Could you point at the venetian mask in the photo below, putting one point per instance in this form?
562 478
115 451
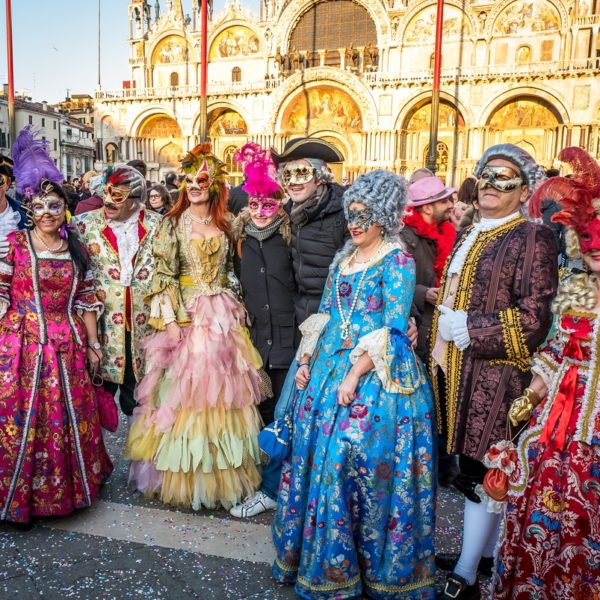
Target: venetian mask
263 207
47 205
114 194
503 179
361 219
589 236
297 173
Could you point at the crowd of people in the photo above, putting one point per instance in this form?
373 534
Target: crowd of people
331 353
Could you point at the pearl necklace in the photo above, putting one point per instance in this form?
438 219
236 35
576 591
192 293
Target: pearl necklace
347 318
51 250
201 221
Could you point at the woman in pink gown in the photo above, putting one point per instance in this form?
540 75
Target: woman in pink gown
52 458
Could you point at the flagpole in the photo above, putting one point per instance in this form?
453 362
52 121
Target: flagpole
435 97
204 68
11 76
99 76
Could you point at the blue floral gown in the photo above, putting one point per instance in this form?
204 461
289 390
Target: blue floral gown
356 504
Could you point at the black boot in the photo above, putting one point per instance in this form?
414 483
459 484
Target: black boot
458 588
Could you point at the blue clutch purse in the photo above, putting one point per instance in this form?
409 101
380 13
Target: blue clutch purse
275 440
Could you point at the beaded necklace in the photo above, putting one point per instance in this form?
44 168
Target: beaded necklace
347 318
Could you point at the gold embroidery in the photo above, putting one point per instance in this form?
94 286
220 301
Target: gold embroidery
454 356
329 586
513 336
409 587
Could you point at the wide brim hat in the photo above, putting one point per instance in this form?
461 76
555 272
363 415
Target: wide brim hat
428 190
307 147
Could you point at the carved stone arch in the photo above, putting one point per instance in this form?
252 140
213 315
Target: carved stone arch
226 106
552 100
241 22
324 76
499 7
420 6
143 116
291 14
424 98
343 142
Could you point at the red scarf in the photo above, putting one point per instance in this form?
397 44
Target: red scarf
443 235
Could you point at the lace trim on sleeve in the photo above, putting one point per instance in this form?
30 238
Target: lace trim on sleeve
161 309
375 345
311 330
4 304
545 367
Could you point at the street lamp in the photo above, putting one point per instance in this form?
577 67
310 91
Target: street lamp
435 97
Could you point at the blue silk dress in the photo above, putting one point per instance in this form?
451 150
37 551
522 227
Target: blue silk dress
356 504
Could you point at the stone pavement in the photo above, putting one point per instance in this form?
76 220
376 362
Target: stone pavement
130 547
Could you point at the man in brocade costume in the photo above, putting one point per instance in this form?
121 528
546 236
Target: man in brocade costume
495 309
119 241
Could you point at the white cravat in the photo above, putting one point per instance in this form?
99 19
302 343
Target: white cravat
9 220
484 225
128 241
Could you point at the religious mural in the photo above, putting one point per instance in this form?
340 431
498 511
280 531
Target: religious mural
321 108
235 41
422 26
171 50
447 118
228 123
523 114
527 15
160 127
171 154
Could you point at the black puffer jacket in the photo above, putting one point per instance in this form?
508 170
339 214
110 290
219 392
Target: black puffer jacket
268 289
314 245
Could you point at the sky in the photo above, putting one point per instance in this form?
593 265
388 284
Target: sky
55 45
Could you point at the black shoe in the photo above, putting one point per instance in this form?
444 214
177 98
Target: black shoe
457 588
447 562
28 526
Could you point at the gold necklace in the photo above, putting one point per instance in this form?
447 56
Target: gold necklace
52 250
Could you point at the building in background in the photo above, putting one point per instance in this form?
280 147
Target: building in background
358 73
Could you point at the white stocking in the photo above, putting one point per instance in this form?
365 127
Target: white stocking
480 527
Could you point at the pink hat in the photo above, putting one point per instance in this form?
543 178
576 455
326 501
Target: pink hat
428 190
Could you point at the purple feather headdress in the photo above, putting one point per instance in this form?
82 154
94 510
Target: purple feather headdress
260 172
33 167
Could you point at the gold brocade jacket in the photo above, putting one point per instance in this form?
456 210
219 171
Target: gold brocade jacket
106 267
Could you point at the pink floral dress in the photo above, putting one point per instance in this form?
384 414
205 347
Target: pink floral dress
52 458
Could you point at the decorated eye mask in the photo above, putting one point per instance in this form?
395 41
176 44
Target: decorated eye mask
263 207
297 174
52 206
200 181
363 219
115 195
589 236
503 179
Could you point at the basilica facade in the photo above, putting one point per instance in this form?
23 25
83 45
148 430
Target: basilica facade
358 73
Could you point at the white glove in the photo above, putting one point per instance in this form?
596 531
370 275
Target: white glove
445 323
452 326
3 246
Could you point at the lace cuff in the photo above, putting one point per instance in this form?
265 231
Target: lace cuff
544 367
4 304
161 309
311 330
375 345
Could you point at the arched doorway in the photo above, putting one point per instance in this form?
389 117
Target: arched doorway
415 139
155 134
232 166
527 120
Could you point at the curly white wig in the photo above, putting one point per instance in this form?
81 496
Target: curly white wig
384 193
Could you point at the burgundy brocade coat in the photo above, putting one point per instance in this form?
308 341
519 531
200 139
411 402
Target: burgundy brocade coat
513 282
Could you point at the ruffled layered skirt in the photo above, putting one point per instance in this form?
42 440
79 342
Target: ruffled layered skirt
194 437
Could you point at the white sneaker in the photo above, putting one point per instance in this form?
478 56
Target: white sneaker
253 506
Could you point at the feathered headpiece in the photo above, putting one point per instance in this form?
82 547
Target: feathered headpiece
576 193
34 170
259 172
200 161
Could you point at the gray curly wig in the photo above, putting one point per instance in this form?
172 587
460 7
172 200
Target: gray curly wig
532 173
384 193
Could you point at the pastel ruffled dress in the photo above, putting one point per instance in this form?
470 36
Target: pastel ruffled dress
355 510
52 457
194 436
551 542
